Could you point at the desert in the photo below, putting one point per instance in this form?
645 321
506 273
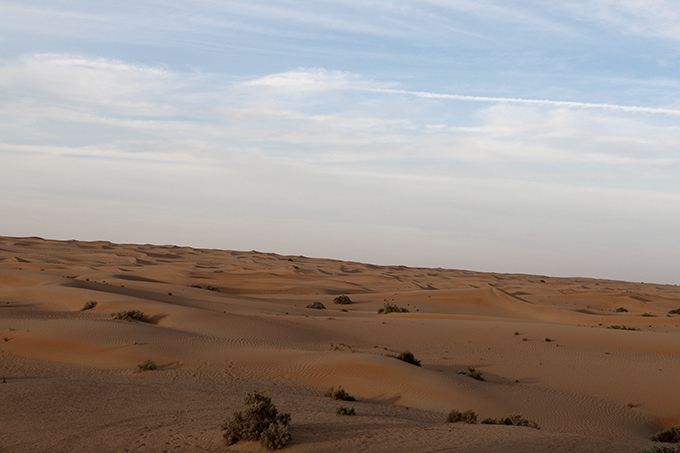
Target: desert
594 363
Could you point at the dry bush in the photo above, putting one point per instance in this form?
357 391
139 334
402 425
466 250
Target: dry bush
317 306
342 300
339 394
259 421
461 417
670 435
342 410
473 373
407 356
89 305
513 420
148 365
389 307
128 315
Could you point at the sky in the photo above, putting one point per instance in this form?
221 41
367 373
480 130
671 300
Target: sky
518 136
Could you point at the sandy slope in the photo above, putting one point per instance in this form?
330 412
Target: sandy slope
71 383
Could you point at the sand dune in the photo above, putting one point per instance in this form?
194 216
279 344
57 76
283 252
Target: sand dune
220 323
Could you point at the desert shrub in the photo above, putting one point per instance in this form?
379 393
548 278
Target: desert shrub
89 305
212 288
548 339
621 327
339 394
674 312
194 285
621 310
473 373
389 307
407 356
148 365
342 410
317 306
342 300
259 421
128 315
461 417
648 315
670 435
513 420
662 449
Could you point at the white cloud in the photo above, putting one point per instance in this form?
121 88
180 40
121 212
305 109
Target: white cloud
657 18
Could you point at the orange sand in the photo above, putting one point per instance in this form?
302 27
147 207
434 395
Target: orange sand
71 380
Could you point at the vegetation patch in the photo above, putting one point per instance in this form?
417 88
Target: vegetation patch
342 410
128 315
621 327
461 417
473 373
621 310
674 312
662 449
513 420
212 288
389 307
670 435
339 394
407 356
89 305
194 285
317 306
342 300
259 421
147 365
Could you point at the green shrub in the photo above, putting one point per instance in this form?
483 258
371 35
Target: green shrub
89 305
342 300
407 356
461 417
128 315
317 306
260 421
670 435
342 410
339 394
148 365
389 307
513 420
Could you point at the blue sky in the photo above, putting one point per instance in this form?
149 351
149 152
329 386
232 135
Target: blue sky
508 136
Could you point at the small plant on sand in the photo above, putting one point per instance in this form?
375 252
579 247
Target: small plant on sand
317 306
342 410
342 300
147 365
128 315
212 288
259 421
461 417
194 285
621 310
407 356
648 315
389 307
473 373
670 435
621 327
548 339
339 394
89 305
513 420
674 312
